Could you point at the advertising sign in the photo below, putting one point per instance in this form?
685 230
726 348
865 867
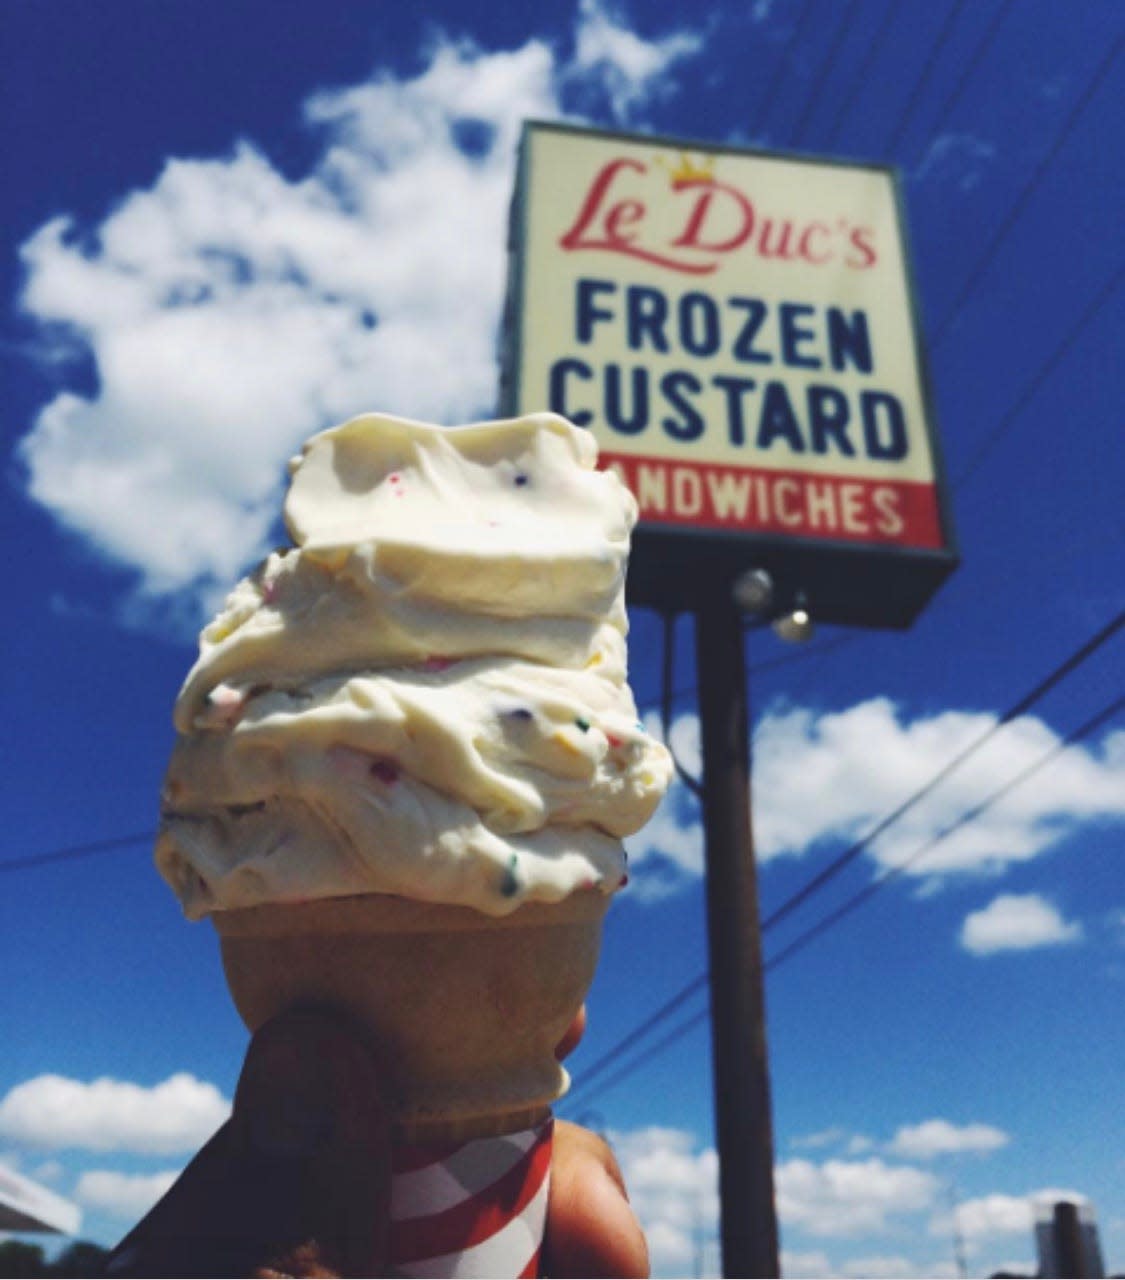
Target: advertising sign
737 329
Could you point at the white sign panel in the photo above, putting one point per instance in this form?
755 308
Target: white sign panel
736 328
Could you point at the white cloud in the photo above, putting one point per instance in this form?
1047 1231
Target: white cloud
849 1198
810 1265
957 160
939 1137
48 1171
852 1144
673 1188
668 851
54 1112
998 1215
831 776
835 774
822 1138
859 1144
895 1266
229 310
631 67
987 1217
1016 922
121 1195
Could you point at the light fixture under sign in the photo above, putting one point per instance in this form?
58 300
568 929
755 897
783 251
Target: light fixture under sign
795 627
753 593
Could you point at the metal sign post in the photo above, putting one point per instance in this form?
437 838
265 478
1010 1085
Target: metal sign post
738 1026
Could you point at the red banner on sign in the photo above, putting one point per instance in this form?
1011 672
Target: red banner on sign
793 503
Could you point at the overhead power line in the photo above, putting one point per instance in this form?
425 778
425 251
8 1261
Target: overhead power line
980 268
780 68
588 1084
820 79
862 74
693 784
971 815
1017 709
638 1033
1043 371
923 78
969 70
586 1087
1022 705
76 851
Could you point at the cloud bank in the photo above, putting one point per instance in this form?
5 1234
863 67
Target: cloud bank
1017 922
54 1112
924 1141
836 1214
227 311
940 1138
823 779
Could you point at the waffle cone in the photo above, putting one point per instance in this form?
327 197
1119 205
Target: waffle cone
464 1010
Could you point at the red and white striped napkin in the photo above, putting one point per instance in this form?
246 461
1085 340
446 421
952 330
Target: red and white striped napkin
471 1208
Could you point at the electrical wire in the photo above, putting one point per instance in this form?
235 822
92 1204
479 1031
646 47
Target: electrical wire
812 101
638 1033
951 16
971 815
680 1030
862 75
780 68
969 70
1004 424
693 784
801 654
76 851
1060 672
1017 709
587 1082
980 268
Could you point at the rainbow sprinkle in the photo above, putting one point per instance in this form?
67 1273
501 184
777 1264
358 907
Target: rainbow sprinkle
510 884
437 663
385 771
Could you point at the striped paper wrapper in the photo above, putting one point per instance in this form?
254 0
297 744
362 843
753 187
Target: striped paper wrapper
474 1208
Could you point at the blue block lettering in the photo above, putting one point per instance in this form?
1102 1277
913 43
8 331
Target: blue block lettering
556 390
675 387
646 313
884 425
586 310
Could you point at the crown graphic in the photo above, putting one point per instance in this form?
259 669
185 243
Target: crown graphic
687 170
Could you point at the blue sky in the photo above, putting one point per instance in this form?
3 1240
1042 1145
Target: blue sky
204 205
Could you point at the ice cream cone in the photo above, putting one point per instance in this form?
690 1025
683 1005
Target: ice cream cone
465 1010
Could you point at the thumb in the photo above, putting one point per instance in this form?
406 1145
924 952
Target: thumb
296 1183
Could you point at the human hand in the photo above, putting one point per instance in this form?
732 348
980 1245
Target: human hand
297 1182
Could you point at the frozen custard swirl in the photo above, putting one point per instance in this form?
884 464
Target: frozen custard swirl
427 696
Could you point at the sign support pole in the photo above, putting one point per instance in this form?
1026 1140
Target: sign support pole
738 1025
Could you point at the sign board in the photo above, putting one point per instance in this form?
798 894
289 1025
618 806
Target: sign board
737 329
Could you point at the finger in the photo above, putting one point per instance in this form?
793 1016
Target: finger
296 1182
309 1097
591 1228
574 1033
